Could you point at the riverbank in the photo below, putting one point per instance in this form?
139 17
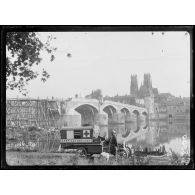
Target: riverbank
70 159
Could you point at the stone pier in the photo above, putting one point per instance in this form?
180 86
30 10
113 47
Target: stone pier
101 118
117 118
141 118
69 119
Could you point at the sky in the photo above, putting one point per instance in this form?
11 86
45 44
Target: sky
106 61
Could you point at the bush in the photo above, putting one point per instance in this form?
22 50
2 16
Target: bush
32 139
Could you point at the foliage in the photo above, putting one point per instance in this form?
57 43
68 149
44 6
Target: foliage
177 159
22 53
76 95
32 139
97 94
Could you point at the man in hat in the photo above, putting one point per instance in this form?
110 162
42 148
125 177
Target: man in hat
113 143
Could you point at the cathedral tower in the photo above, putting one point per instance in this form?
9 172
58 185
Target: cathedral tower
134 86
147 85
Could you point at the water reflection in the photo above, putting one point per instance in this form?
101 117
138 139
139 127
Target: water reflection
153 134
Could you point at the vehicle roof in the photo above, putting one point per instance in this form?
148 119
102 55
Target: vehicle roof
77 128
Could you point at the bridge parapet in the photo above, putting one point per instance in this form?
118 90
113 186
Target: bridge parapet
120 106
77 102
84 100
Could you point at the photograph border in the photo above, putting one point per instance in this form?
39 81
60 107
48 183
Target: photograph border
90 28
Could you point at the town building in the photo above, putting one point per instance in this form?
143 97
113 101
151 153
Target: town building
159 105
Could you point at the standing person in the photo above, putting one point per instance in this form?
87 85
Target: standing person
163 149
113 143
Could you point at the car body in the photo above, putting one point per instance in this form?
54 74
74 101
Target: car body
81 139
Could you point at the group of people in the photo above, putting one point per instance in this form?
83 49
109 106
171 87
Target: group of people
111 144
149 150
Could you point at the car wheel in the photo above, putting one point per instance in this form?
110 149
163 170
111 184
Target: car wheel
122 154
128 151
81 152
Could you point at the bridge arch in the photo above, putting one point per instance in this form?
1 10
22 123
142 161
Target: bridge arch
110 110
87 112
136 112
144 113
125 111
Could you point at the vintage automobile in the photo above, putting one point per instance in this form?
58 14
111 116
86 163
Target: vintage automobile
82 140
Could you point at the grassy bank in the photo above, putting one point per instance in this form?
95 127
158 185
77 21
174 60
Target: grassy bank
70 159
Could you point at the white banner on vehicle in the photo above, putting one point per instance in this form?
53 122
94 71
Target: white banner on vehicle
70 134
75 140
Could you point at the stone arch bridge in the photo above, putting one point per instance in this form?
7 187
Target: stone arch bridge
91 111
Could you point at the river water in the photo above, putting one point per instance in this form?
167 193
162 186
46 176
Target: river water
174 136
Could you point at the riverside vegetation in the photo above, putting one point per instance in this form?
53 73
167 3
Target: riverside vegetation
40 147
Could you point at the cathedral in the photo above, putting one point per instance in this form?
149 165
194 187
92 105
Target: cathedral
143 95
145 89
